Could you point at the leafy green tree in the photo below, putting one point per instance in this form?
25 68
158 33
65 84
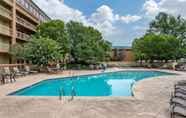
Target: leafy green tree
170 25
165 39
17 51
157 47
55 30
39 51
87 44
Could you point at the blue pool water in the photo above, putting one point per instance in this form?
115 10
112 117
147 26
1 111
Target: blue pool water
106 84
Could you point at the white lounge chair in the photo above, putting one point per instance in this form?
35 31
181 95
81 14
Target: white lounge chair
178 111
29 71
17 72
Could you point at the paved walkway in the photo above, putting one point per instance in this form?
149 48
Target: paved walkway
150 101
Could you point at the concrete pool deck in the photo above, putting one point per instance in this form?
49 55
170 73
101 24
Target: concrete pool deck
151 99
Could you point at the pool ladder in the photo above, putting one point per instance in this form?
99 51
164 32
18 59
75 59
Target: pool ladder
62 93
73 93
131 87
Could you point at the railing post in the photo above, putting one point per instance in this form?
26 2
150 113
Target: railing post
61 93
73 93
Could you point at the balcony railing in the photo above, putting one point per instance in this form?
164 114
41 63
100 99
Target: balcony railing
5 12
4 47
32 9
5 30
23 36
10 2
25 23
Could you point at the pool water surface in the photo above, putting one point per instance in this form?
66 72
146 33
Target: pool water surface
105 84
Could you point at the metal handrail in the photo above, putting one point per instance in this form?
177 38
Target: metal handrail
61 93
73 93
131 86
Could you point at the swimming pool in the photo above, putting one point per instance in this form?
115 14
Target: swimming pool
105 84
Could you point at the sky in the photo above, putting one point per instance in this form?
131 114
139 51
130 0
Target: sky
120 21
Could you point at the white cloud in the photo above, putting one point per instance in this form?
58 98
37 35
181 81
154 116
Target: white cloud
151 7
175 7
57 10
106 20
103 13
129 18
102 19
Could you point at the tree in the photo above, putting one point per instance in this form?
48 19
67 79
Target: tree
17 51
54 40
164 40
170 25
157 47
55 30
87 44
40 51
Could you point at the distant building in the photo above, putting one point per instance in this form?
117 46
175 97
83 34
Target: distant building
18 20
122 53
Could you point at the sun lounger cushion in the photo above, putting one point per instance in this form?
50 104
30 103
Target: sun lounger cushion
180 91
180 95
179 101
179 110
181 88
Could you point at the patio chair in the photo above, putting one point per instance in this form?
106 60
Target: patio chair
17 72
58 67
177 111
53 70
177 86
178 101
180 67
181 83
29 71
7 74
180 95
182 87
50 70
1 77
2 80
180 91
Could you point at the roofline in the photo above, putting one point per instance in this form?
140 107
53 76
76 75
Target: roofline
121 47
40 9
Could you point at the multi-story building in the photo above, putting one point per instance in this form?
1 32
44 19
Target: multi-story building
18 20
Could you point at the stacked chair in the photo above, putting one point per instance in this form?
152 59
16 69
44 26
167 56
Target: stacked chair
9 74
55 69
178 100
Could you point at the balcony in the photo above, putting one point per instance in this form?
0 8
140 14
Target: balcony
26 24
33 10
4 47
5 12
23 36
5 30
9 2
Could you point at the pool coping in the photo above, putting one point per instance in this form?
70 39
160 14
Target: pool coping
177 73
